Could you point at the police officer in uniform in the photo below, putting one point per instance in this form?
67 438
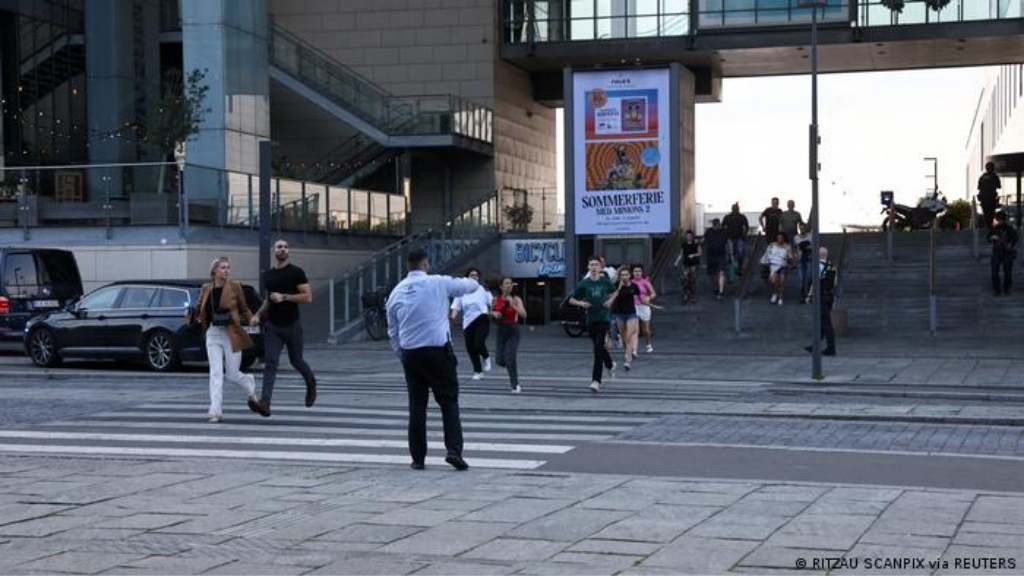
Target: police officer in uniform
419 332
827 272
1004 249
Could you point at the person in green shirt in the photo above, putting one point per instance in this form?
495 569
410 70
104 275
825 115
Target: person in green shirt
595 294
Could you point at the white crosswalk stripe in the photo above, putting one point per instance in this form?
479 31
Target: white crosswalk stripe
326 433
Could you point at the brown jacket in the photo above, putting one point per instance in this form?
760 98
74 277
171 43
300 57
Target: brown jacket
233 300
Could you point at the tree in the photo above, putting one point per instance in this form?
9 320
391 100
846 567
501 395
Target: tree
519 217
894 5
175 114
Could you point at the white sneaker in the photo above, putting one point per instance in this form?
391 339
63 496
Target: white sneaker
487 364
478 375
780 301
516 389
614 366
595 386
774 298
650 349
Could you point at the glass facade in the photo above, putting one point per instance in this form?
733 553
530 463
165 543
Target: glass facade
527 21
42 85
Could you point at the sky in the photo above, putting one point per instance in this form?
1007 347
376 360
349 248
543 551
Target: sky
876 129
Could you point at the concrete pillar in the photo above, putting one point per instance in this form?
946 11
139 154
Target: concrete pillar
227 39
110 78
687 149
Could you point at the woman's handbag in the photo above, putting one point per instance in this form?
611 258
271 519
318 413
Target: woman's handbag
221 318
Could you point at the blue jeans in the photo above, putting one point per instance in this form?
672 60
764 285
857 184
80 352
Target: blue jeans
805 278
739 251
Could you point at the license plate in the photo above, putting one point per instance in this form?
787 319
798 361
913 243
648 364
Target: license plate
252 329
45 304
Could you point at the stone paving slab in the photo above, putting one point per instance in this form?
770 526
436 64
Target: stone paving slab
679 526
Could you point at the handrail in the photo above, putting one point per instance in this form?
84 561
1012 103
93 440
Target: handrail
741 288
664 254
844 245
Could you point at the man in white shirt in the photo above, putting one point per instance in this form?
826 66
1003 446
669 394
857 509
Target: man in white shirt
419 333
476 312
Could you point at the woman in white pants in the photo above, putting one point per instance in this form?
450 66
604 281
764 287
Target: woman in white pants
222 309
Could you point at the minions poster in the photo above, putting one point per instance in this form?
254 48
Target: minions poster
621 152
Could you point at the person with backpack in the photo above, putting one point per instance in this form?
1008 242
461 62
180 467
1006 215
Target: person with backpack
507 312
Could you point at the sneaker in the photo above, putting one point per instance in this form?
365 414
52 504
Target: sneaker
774 299
478 375
780 302
627 366
516 389
614 366
487 364
650 349
595 386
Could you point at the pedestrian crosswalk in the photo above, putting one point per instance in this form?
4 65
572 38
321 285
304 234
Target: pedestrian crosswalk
329 433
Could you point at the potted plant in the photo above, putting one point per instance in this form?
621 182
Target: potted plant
519 217
894 5
936 4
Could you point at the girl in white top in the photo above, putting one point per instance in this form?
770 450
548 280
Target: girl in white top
475 309
778 256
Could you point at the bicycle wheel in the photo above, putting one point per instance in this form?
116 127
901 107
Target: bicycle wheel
376 323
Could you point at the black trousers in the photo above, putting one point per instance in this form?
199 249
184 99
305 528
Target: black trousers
598 333
508 348
989 211
476 341
828 332
274 338
432 369
1004 263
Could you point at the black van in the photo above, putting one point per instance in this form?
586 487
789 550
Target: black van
34 281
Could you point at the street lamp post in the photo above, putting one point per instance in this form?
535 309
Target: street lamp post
814 5
179 159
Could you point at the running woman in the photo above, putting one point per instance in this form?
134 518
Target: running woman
508 309
643 305
623 306
475 309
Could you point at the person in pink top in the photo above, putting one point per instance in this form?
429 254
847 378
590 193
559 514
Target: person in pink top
643 304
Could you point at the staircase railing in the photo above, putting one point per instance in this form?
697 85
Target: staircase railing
747 267
344 159
392 115
446 244
664 254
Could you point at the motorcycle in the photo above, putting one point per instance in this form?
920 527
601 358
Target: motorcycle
923 217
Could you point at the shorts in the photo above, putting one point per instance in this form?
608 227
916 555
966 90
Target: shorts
643 312
623 317
716 265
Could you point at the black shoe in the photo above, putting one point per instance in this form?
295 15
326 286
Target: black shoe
259 407
457 462
310 393
810 349
417 465
828 352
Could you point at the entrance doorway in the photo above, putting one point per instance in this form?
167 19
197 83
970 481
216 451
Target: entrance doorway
619 250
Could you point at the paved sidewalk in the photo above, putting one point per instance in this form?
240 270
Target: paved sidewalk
89 516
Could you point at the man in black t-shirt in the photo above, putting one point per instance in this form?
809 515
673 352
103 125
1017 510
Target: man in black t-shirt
737 225
771 221
287 287
715 242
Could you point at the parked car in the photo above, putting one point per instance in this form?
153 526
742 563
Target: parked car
145 320
34 281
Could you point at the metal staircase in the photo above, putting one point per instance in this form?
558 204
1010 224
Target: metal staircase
449 245
382 119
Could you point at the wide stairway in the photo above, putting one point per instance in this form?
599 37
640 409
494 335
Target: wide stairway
879 297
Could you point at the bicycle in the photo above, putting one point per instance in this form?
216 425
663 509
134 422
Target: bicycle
375 317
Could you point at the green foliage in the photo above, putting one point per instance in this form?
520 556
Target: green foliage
176 113
894 5
519 217
957 211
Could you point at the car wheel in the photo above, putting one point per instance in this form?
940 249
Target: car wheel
161 352
42 348
248 359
